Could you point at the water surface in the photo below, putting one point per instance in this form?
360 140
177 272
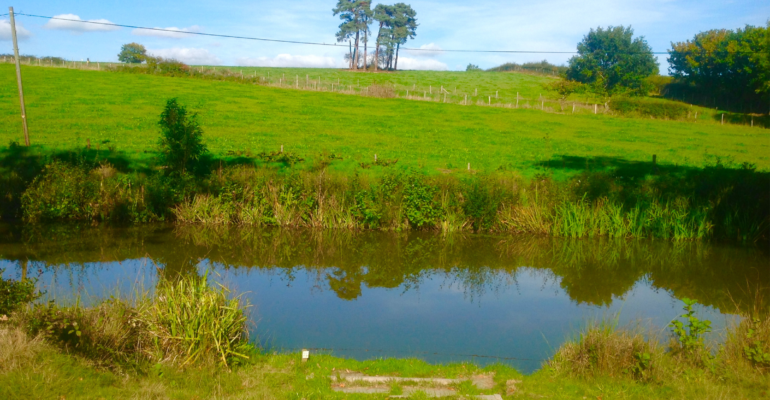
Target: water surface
481 298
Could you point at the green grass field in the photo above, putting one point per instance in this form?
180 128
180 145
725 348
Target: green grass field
66 107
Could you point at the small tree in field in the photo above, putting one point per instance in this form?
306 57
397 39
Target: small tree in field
182 138
612 61
132 53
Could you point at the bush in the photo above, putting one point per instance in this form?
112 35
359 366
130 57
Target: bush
182 138
472 67
15 294
648 108
167 66
565 87
61 192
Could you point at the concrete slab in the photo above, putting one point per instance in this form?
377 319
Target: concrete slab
364 390
483 382
358 377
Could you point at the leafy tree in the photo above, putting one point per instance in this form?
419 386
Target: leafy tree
405 26
385 15
729 65
356 15
612 61
398 23
182 137
472 67
132 53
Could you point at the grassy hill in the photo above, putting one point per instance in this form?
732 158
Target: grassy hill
120 111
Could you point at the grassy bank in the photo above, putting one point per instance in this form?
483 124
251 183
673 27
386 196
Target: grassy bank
168 344
634 201
117 112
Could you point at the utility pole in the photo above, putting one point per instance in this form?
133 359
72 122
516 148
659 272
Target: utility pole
18 77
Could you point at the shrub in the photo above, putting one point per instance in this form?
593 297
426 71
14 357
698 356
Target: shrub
565 87
15 294
61 192
182 138
472 67
166 66
420 206
648 108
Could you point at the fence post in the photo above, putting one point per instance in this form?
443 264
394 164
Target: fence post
594 108
517 99
723 118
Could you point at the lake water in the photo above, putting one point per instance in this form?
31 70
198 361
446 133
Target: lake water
480 298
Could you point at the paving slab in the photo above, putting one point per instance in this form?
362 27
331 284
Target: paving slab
353 377
364 390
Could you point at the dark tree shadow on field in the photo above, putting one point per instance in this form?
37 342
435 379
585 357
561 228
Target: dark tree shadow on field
758 121
736 197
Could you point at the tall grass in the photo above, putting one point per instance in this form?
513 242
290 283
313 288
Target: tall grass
186 322
189 321
403 200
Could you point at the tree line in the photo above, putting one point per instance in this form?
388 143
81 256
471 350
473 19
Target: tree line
395 25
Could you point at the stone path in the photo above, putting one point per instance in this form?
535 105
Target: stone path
350 382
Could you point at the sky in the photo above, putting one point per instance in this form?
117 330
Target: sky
546 25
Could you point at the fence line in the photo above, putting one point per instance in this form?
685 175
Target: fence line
558 106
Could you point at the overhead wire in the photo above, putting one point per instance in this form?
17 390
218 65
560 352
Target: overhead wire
176 31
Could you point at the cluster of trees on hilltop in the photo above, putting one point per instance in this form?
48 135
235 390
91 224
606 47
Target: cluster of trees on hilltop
395 25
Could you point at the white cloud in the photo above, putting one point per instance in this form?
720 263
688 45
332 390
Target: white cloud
288 60
177 34
432 50
69 22
5 31
187 55
411 63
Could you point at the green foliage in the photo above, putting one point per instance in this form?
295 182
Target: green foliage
472 67
542 67
481 203
132 53
61 192
420 205
167 67
612 61
565 87
635 106
181 144
16 294
690 336
189 321
726 66
754 351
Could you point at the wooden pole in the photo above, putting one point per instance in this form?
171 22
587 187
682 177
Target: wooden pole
18 76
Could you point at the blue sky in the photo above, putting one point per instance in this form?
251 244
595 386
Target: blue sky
546 25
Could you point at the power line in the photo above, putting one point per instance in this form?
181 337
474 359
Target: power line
320 44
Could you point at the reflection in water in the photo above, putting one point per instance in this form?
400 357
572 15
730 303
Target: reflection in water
407 292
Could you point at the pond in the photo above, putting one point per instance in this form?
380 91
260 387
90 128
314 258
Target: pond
442 298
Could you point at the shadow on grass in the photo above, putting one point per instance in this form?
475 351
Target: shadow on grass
737 197
757 121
